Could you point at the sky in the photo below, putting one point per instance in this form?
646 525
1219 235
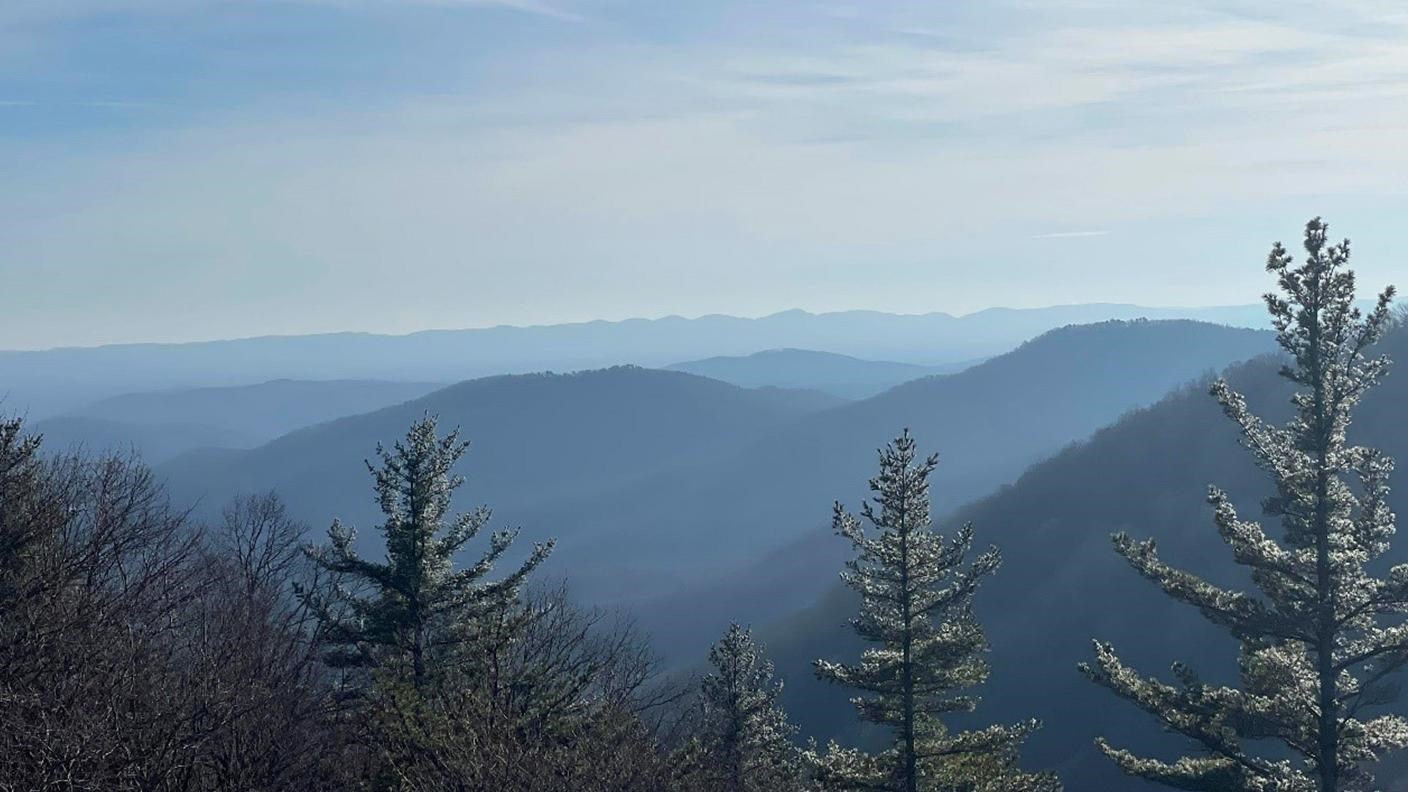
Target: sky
192 169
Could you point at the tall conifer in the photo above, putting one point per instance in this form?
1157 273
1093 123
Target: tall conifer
916 588
415 611
1323 635
744 742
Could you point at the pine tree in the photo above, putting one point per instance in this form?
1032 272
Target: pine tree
416 612
744 743
22 507
916 607
1319 643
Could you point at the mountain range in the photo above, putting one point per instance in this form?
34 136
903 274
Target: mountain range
988 423
656 481
49 382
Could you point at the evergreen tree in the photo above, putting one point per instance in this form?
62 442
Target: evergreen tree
745 741
1319 643
415 612
916 607
22 507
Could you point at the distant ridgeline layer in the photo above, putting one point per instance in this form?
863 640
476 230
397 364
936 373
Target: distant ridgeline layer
42 384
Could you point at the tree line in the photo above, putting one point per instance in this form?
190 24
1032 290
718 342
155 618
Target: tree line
140 650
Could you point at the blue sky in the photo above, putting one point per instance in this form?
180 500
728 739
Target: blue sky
187 169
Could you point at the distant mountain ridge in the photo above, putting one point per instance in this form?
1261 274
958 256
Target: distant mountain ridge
163 424
265 410
533 437
44 383
840 375
154 442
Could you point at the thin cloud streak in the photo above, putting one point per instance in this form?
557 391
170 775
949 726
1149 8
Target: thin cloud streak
119 104
1071 234
525 6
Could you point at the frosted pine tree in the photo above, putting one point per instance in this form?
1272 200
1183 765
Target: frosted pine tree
1323 636
744 743
415 612
916 594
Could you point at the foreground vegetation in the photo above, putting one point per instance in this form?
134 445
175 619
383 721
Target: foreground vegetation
141 651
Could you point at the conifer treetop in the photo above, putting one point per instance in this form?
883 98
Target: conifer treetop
417 602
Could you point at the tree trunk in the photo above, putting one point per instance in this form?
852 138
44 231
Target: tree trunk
1327 726
911 768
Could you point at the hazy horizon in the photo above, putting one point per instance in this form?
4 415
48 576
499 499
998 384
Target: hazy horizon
644 318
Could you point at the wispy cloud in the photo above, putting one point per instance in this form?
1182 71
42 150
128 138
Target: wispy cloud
536 7
107 104
1070 234
119 104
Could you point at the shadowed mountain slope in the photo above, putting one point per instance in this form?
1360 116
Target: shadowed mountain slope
992 421
534 438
